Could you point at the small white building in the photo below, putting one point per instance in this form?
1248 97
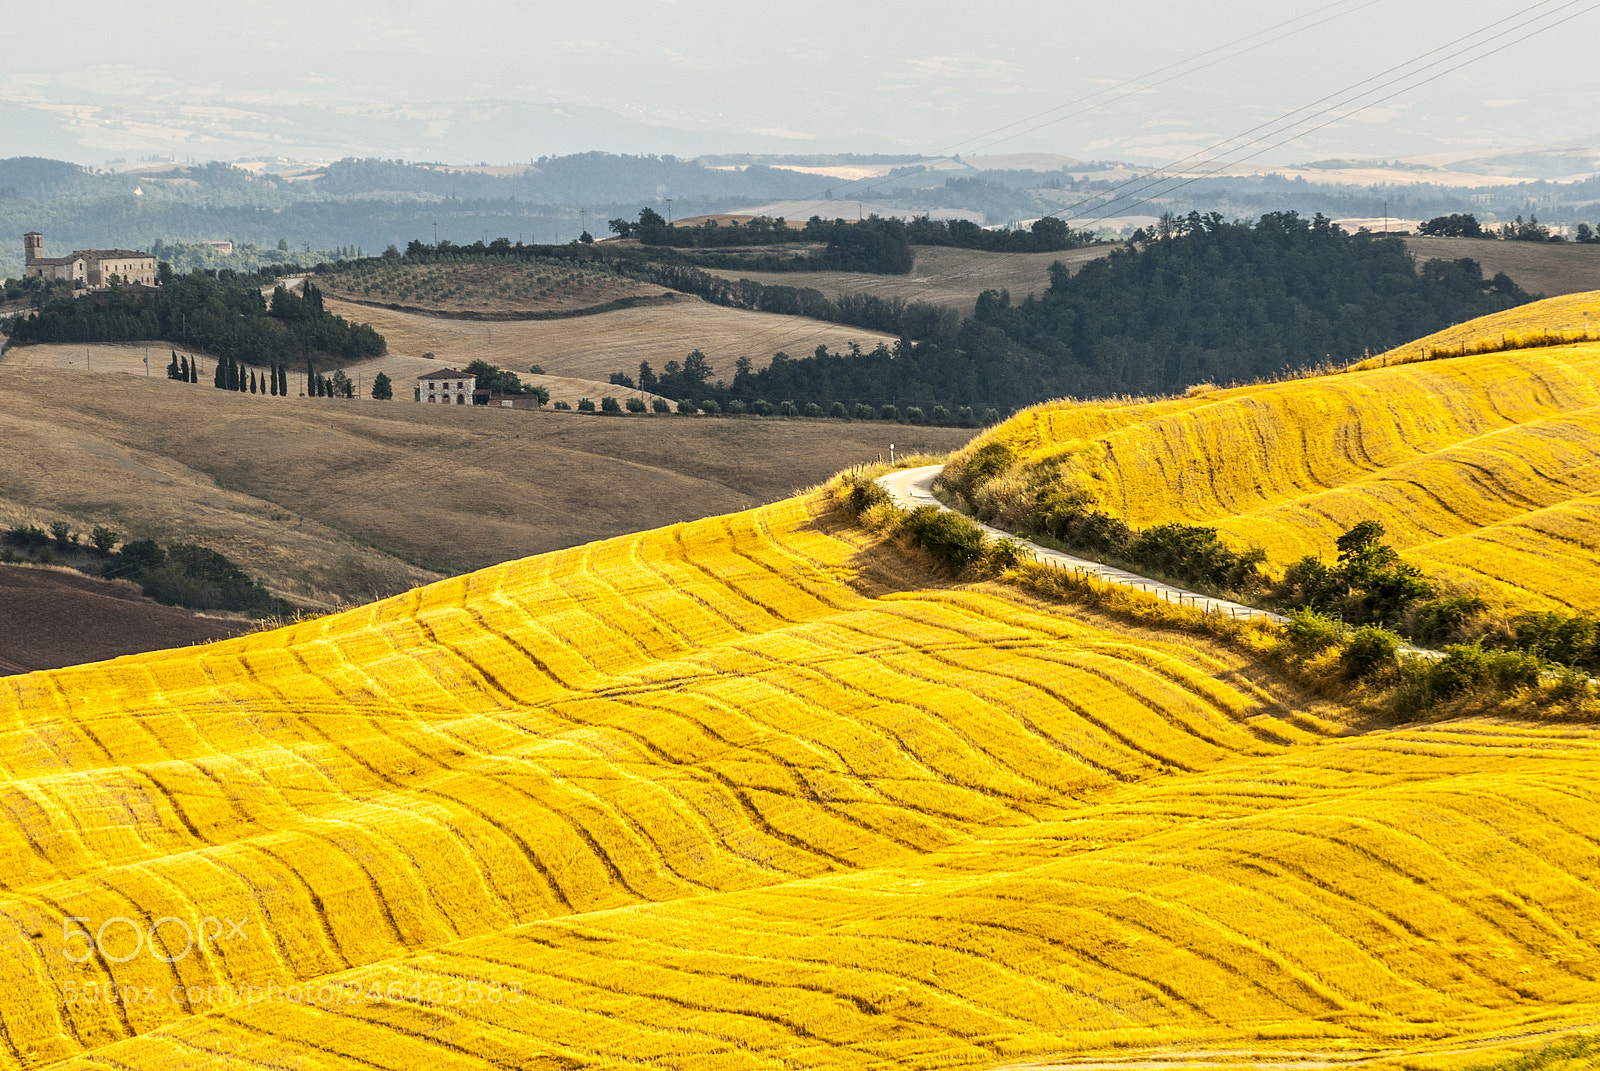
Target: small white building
446 387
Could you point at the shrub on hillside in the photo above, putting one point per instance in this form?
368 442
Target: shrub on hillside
950 537
609 404
1369 651
660 405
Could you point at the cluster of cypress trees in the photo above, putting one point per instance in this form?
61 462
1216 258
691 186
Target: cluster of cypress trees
233 375
321 386
182 369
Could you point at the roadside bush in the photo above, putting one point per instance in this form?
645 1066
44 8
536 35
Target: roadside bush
1369 651
103 539
1570 640
609 404
859 492
710 407
585 405
563 405
1004 553
1444 619
914 416
787 409
660 405
62 533
636 405
735 408
889 412
837 411
940 415
761 407
964 416
814 410
1309 633
952 538
863 412
990 417
1469 668
686 407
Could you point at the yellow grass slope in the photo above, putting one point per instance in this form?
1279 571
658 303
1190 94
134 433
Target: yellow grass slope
705 709
747 792
1484 468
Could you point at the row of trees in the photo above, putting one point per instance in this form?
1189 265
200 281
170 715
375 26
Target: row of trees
874 245
1046 235
231 375
177 574
937 415
226 317
1466 225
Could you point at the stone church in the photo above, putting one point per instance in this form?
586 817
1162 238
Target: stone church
94 268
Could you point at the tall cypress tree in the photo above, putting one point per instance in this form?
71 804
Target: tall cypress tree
252 381
220 377
183 368
172 366
283 381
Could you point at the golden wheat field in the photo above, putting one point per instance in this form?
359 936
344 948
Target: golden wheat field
1484 469
757 792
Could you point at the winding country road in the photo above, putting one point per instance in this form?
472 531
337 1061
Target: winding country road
910 488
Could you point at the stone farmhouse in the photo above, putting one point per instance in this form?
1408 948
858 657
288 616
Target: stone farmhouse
446 386
450 387
92 268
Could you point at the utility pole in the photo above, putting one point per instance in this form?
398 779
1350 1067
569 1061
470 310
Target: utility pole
436 234
669 211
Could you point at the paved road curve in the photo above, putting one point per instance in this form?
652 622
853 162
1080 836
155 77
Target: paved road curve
911 488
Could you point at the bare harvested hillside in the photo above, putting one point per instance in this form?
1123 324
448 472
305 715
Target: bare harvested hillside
592 347
334 501
1538 267
941 275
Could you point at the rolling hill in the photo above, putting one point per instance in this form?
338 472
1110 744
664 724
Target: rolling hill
757 791
1484 469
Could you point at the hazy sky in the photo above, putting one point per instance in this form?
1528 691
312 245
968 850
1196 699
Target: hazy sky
468 81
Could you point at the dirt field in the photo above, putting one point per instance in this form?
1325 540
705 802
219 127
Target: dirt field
1538 267
51 618
942 275
592 347
482 286
335 501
